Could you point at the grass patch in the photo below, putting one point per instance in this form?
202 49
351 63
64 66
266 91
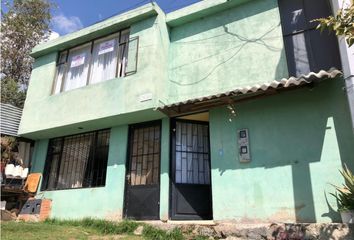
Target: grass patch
34 231
88 228
101 226
151 233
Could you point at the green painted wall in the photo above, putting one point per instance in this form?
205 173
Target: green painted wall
296 151
238 47
108 201
298 141
105 100
298 138
100 202
165 169
202 57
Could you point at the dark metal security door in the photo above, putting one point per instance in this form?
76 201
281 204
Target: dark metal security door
191 187
142 193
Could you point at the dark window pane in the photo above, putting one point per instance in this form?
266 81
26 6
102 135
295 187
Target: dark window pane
307 49
297 54
324 49
292 16
316 9
77 161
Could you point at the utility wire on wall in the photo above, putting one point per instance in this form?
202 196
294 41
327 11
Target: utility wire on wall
240 38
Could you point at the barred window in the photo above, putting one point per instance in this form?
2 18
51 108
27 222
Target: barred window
77 161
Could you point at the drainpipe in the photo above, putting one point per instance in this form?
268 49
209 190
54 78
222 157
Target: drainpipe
347 58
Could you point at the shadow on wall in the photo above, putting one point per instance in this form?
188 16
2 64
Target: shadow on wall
282 67
296 129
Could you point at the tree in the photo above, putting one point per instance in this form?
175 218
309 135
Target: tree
342 23
23 26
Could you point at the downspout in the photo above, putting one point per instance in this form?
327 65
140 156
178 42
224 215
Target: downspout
347 58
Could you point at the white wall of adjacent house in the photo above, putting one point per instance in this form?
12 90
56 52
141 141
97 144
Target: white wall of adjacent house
347 58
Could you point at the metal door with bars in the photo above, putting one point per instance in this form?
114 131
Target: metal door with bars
142 193
190 171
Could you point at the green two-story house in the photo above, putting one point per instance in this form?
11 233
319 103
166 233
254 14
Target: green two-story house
223 110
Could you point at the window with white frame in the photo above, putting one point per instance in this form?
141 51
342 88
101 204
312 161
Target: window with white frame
97 61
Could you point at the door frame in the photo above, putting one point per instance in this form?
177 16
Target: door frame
172 165
127 164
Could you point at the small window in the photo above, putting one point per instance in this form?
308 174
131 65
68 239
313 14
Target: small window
77 161
97 61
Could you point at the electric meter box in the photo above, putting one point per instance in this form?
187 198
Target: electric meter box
243 145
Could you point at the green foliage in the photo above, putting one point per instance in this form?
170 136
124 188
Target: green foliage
123 227
345 194
10 93
7 149
24 25
101 226
152 233
89 228
12 230
342 23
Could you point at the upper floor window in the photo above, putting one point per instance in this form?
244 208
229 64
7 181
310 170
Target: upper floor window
99 60
77 161
307 49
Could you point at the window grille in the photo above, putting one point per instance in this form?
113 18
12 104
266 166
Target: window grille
77 161
144 155
192 153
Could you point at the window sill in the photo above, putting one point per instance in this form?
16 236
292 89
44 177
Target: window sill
87 86
65 189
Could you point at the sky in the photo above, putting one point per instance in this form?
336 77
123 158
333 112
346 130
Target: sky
72 15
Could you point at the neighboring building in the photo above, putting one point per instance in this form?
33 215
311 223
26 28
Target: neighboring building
10 117
192 115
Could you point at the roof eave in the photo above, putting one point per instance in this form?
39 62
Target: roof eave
246 93
199 10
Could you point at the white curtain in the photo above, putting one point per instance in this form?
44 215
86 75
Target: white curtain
60 77
78 64
74 161
104 55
